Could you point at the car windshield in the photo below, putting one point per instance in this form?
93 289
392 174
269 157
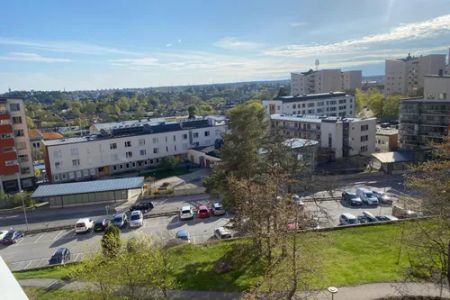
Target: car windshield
369 195
351 221
185 211
118 219
352 196
135 217
203 210
79 225
218 206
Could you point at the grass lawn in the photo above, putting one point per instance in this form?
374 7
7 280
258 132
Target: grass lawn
160 174
57 294
55 272
349 256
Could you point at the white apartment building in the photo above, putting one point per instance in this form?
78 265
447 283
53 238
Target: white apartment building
342 136
406 76
324 81
437 87
329 104
118 148
16 165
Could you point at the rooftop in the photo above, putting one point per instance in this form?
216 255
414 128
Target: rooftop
52 135
307 97
387 131
393 157
51 190
422 100
295 143
314 118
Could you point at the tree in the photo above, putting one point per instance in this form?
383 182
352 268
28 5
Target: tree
170 162
111 241
391 107
191 111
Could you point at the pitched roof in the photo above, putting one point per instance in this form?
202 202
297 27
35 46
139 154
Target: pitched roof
34 133
52 135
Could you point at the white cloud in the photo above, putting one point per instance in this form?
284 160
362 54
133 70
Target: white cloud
168 45
32 57
297 24
235 44
65 46
179 41
136 62
413 31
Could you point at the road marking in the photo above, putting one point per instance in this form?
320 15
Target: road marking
19 241
28 264
77 256
37 240
57 236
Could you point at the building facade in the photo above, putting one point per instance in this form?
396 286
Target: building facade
386 139
324 81
329 104
406 76
16 165
437 87
118 149
341 136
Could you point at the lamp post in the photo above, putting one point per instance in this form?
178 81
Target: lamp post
333 290
24 212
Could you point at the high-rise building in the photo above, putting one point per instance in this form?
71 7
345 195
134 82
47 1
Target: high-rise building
406 76
324 81
16 165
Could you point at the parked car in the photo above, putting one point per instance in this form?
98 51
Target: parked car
351 199
383 198
366 196
84 225
186 213
403 213
136 218
348 219
2 234
369 216
222 233
184 235
142 206
217 209
203 212
60 257
101 224
120 220
387 218
11 237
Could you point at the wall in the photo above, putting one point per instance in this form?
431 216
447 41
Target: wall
201 158
437 87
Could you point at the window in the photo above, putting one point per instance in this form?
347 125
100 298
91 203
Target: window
364 148
195 135
17 120
58 165
155 150
74 151
174 138
167 149
128 144
23 158
185 136
129 154
75 162
175 148
14 107
364 138
207 133
165 138
155 140
21 145
24 170
143 152
364 127
113 146
141 142
19 132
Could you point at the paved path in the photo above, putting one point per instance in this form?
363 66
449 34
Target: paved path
360 292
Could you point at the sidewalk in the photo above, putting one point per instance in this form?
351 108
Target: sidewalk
360 292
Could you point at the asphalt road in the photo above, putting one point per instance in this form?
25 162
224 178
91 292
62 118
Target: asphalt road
34 250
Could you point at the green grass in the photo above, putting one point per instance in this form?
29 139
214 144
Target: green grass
56 272
160 174
58 294
348 257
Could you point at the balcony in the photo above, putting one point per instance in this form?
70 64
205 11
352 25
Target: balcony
6 143
6 128
8 163
4 115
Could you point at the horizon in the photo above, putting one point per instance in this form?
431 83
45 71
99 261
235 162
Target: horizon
80 46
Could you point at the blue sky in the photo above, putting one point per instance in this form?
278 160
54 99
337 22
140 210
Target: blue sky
72 45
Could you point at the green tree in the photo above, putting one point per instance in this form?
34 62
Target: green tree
391 107
170 162
111 241
191 111
30 123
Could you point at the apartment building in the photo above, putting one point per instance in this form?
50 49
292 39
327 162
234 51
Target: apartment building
330 104
342 136
405 76
386 139
425 120
324 81
119 148
16 165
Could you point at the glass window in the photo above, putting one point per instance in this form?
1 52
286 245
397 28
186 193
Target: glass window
128 144
14 107
113 146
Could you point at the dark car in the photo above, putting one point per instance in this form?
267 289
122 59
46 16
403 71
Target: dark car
142 206
101 224
12 236
60 257
351 199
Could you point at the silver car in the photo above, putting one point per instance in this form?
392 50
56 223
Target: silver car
218 209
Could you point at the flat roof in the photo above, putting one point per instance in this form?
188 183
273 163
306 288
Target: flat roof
314 118
299 143
422 100
61 189
393 157
387 131
307 97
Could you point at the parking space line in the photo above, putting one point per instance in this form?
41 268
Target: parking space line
37 240
19 241
28 264
77 256
57 236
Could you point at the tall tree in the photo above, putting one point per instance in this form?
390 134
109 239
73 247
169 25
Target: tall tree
111 241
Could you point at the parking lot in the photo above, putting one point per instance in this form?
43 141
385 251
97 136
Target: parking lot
35 250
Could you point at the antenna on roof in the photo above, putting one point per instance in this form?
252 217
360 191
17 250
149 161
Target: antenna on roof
317 64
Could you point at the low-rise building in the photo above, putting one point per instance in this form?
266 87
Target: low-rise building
16 165
131 147
36 141
329 104
343 137
392 162
304 151
386 139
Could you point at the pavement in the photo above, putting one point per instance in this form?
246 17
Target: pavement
359 292
34 250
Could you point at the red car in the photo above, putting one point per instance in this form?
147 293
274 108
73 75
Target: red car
203 211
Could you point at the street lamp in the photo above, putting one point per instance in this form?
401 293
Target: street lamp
333 290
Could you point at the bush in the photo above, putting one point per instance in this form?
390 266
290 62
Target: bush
111 241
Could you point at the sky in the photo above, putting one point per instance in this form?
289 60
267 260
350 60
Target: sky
84 45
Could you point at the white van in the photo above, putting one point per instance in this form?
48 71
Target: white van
367 196
348 219
84 225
